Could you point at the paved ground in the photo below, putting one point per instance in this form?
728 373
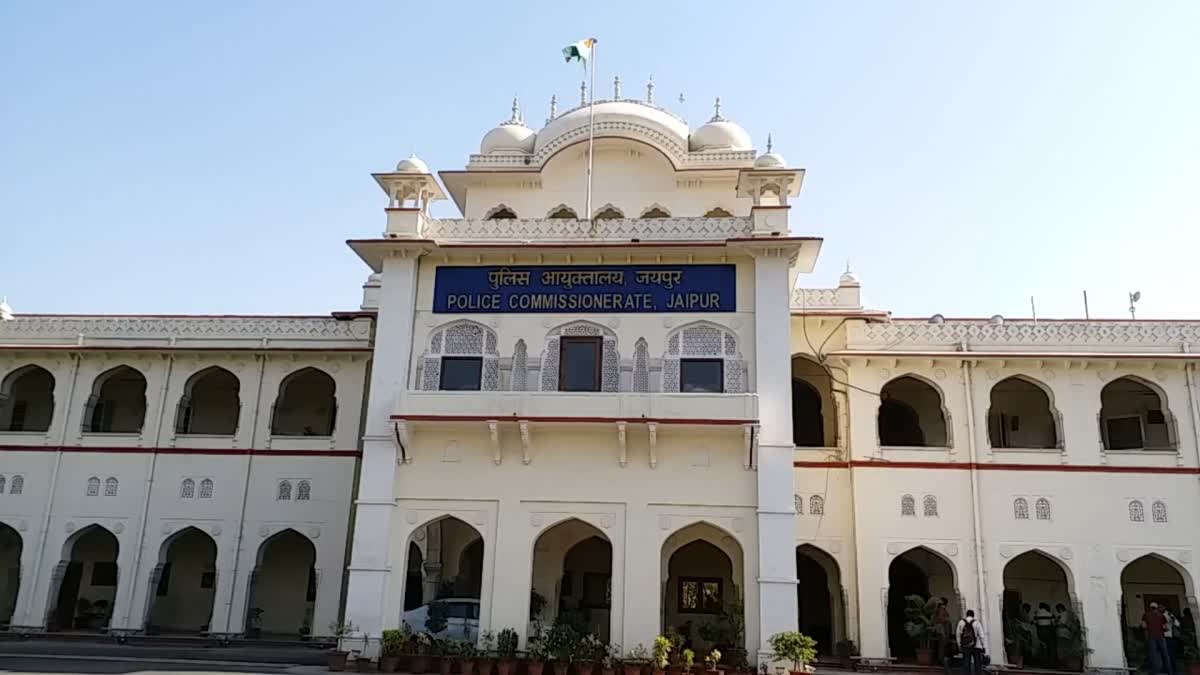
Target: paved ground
52 656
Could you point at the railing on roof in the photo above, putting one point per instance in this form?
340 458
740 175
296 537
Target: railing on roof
609 229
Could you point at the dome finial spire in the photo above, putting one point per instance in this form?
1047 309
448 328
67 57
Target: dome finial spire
616 87
717 111
583 93
770 145
553 107
650 90
516 112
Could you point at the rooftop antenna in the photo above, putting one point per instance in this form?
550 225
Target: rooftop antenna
650 91
1033 309
1133 300
1086 315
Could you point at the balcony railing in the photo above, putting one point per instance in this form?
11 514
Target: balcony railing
615 229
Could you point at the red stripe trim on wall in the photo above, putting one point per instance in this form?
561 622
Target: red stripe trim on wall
984 466
182 451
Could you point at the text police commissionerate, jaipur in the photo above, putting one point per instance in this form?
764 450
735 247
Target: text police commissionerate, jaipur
610 302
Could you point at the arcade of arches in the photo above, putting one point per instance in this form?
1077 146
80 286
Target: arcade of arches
820 598
27 400
572 578
184 583
87 581
814 413
445 560
306 405
702 567
285 564
921 572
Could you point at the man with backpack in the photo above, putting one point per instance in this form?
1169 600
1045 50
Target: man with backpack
970 636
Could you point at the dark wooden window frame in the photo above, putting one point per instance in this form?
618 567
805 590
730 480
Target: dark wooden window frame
701 581
442 376
720 370
562 360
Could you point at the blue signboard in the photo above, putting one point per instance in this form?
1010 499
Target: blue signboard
540 289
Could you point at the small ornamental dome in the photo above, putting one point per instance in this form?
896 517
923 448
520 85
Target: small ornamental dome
510 137
770 160
720 134
412 165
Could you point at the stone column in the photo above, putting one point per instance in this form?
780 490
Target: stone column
370 567
776 507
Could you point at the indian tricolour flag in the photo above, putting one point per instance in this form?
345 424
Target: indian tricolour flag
580 51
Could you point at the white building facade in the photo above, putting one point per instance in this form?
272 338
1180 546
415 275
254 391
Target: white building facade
590 420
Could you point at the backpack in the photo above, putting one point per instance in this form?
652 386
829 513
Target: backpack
966 638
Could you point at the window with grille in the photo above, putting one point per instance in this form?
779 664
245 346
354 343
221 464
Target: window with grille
461 373
285 491
206 488
908 506
303 491
1158 512
1042 506
93 487
704 376
1137 513
18 485
700 595
929 506
110 487
188 489
816 505
1021 508
579 363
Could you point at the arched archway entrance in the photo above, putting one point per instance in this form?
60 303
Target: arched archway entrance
702 597
182 585
572 578
1150 579
10 572
814 412
452 580
923 573
277 606
87 581
820 602
911 414
27 400
1033 582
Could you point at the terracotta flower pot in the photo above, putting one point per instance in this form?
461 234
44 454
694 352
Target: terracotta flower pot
337 660
389 664
631 668
560 668
445 665
418 664
504 667
535 667
584 668
466 666
924 656
483 666
364 664
606 671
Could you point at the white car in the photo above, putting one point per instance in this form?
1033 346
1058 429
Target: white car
462 618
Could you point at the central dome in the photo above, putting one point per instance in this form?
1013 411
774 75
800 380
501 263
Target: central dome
615 118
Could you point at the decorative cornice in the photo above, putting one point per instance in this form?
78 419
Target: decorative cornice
978 334
80 329
558 229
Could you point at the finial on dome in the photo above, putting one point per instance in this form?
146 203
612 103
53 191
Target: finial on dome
616 87
717 111
770 148
650 90
6 313
517 117
583 93
681 99
553 107
847 279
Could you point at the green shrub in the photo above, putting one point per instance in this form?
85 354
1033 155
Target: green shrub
796 648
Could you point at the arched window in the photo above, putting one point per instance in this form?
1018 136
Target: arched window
93 487
501 212
1137 513
285 491
1134 416
303 491
306 405
581 356
816 505
1021 415
655 212
187 490
908 506
210 403
1021 508
3 482
641 366
1042 507
206 488
608 212
718 212
563 212
1158 512
520 367
929 506
110 487
462 356
703 357
118 402
18 485
911 414
798 500
27 400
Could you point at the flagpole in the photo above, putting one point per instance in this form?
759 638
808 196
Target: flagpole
591 128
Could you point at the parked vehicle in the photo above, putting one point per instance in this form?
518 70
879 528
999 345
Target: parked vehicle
462 618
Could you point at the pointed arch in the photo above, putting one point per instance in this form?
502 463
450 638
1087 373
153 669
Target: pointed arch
1137 512
1135 415
461 355
573 569
454 562
181 586
1041 508
89 554
912 413
306 404
703 567
210 404
93 486
641 366
284 563
11 547
187 489
1021 508
718 212
283 491
117 404
655 211
303 491
18 485
820 597
27 399
816 505
908 505
111 485
206 488
562 212
923 572
563 336
929 506
500 212
608 212
520 367
814 408
697 348
1022 415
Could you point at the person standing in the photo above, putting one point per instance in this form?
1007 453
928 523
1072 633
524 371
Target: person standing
1156 642
1171 634
1043 620
970 637
941 619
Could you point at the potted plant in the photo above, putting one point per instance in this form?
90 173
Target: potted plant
844 650
535 653
711 661
448 649
920 625
562 643
337 655
687 659
590 651
1018 640
506 651
362 662
485 652
795 648
391 645
635 660
435 620
660 655
420 644
610 660
467 653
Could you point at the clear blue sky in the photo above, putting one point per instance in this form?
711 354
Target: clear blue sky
211 157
